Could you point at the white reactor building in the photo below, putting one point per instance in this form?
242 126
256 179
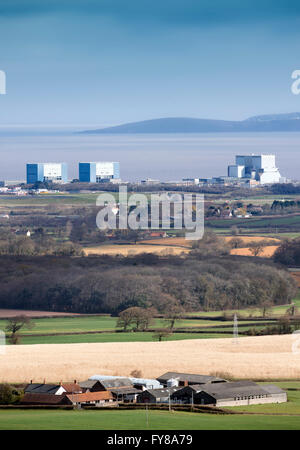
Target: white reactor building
261 168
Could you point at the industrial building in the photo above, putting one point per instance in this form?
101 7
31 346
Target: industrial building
261 168
98 172
47 172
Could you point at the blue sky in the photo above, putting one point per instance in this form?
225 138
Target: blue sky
112 61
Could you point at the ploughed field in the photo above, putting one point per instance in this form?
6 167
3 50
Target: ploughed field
259 357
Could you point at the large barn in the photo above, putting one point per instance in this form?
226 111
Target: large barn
229 394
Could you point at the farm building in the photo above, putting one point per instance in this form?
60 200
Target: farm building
116 383
90 386
72 388
45 399
139 383
156 395
53 389
102 398
125 394
42 388
279 395
121 388
182 379
229 394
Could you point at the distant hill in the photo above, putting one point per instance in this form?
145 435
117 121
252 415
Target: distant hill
273 122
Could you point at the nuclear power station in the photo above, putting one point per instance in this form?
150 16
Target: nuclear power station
261 168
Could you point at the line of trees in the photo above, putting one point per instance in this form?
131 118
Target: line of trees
111 285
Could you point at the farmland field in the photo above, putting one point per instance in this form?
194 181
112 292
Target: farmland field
262 357
267 252
263 222
46 199
106 325
134 249
116 337
4 313
172 245
137 420
102 328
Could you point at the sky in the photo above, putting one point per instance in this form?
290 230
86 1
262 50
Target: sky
105 62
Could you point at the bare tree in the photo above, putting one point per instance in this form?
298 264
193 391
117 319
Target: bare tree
236 242
173 316
266 307
15 324
256 248
160 334
292 310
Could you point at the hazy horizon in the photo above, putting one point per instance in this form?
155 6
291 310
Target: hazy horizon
161 156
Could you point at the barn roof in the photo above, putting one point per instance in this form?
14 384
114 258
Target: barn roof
116 383
41 388
90 396
44 399
124 391
164 392
189 377
87 384
71 387
153 383
272 389
233 389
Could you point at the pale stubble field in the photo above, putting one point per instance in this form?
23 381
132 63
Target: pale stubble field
259 357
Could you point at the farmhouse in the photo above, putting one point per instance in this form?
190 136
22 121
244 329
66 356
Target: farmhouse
157 395
182 379
229 394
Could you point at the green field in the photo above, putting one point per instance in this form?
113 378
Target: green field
108 323
116 337
102 328
137 420
248 312
46 199
254 222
